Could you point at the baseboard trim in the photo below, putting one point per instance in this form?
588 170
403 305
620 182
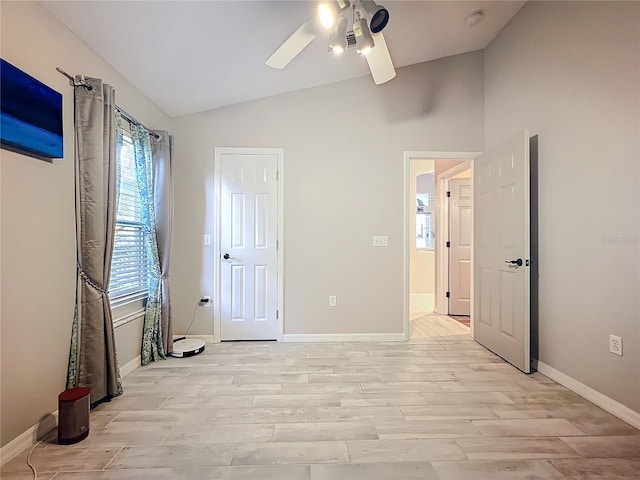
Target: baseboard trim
129 367
26 440
612 406
343 337
30 437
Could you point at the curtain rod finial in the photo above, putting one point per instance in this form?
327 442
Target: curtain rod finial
66 75
76 83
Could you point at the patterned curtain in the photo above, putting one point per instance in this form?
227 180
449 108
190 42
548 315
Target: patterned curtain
93 361
152 344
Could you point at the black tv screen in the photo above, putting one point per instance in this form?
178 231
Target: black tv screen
30 114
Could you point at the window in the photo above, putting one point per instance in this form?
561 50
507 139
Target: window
425 236
129 277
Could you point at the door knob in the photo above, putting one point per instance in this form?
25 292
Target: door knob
517 262
226 256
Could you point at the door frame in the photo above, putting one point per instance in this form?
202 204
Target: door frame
408 205
217 194
442 282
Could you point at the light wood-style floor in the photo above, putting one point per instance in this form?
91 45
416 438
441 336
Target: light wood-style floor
424 323
437 408
433 325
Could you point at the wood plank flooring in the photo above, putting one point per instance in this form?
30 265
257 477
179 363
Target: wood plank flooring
440 407
433 325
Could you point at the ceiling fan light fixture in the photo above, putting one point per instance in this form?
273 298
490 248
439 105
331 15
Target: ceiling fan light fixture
338 39
329 11
364 40
377 13
326 15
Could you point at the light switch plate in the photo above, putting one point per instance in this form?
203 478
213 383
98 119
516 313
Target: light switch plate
380 241
207 240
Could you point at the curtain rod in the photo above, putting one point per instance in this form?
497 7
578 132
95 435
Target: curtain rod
130 119
79 81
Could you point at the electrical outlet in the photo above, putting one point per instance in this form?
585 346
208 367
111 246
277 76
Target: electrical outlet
205 301
615 344
332 300
207 240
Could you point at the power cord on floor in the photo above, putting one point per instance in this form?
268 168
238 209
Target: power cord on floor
200 303
31 466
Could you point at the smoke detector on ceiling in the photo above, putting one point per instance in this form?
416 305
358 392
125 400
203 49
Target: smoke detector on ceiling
475 18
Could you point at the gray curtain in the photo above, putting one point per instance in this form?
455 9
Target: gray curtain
161 148
92 361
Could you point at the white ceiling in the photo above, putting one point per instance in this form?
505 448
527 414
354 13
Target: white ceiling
191 56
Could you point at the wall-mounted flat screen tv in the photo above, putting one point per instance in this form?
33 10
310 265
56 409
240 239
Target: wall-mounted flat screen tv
30 115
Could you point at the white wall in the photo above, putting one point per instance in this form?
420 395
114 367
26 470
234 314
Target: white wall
570 72
38 224
343 177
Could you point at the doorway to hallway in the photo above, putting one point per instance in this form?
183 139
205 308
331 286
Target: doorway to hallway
434 276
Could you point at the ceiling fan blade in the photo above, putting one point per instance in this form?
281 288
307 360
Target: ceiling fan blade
294 45
379 60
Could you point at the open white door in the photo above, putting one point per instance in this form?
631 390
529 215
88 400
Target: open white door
248 244
501 249
460 234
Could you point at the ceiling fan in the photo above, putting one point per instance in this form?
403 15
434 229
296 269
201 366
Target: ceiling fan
353 24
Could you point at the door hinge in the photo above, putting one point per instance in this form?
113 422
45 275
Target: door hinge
277 314
277 244
448 244
277 175
448 194
448 294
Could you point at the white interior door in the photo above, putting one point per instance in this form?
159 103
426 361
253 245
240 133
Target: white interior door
248 246
501 246
460 235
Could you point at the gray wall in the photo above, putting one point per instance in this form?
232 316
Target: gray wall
38 226
343 174
570 72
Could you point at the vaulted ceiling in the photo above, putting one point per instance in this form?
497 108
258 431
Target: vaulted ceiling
191 56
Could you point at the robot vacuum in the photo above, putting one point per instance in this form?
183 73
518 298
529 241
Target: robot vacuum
188 347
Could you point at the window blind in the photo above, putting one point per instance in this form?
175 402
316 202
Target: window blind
129 272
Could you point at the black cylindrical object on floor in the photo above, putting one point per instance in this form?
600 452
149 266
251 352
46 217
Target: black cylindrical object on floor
73 415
